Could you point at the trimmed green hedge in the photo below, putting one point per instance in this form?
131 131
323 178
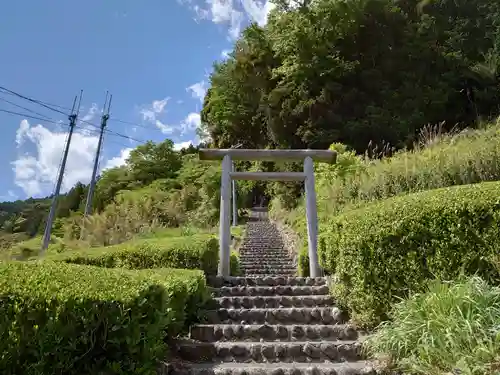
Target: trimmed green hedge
386 250
193 252
58 318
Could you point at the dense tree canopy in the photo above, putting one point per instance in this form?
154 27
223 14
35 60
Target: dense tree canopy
355 71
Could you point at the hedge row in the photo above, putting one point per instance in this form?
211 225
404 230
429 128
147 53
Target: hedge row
388 249
193 252
58 318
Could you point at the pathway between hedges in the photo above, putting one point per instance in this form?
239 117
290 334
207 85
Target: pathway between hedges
270 321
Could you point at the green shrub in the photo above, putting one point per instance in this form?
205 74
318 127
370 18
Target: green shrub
385 250
195 252
58 318
451 328
234 264
303 262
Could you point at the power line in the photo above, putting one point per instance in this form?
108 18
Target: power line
33 100
149 127
27 116
50 106
108 140
43 102
26 109
114 133
89 123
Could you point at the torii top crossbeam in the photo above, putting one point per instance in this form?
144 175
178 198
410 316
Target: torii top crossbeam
327 156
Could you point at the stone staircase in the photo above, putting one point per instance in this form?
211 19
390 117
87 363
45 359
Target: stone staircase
270 321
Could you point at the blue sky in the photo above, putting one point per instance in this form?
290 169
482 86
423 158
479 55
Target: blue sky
154 56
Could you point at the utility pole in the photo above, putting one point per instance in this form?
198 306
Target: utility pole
48 227
104 120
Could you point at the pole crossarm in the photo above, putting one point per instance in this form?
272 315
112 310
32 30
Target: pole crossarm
326 156
268 176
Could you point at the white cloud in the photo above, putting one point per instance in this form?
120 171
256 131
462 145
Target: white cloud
181 145
164 128
91 113
22 132
159 105
198 90
258 11
232 12
151 112
36 173
191 122
119 160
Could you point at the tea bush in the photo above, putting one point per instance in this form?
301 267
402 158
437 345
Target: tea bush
383 251
58 318
193 252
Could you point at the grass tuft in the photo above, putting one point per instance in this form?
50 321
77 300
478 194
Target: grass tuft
453 328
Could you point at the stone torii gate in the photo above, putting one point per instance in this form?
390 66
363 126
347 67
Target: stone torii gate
228 155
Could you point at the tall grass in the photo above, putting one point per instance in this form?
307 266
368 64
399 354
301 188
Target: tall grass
452 329
438 160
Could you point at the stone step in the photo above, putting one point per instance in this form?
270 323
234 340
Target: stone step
264 253
274 301
265 269
268 266
278 259
264 264
252 368
264 243
265 258
218 281
253 275
281 332
270 352
300 315
281 261
281 290
286 274
264 248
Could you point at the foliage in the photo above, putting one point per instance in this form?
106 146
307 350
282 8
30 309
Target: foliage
234 264
303 262
149 162
193 252
234 110
440 160
64 318
355 72
449 328
387 249
132 213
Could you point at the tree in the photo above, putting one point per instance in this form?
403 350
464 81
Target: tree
151 161
72 201
353 71
110 182
235 110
